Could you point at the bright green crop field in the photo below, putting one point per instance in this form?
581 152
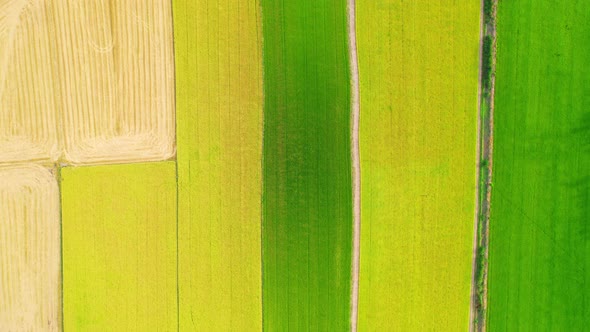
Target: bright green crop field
307 193
539 228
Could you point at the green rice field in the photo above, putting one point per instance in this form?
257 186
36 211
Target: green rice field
307 194
539 255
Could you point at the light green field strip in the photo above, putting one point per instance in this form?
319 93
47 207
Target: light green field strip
29 249
307 206
418 66
219 129
119 247
539 255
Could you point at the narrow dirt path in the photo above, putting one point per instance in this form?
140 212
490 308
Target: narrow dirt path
356 164
478 310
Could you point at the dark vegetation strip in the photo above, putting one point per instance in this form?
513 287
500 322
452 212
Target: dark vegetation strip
307 190
487 79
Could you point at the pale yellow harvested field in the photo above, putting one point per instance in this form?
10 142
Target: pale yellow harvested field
28 114
116 70
29 249
86 82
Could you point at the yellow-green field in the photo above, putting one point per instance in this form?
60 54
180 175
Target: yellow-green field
119 247
418 63
219 136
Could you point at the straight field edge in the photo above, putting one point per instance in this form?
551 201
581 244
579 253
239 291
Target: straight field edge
478 312
57 168
356 162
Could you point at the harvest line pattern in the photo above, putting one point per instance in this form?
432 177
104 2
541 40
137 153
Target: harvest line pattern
29 249
80 83
114 99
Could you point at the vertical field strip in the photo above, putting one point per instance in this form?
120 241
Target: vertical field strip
29 249
119 247
539 252
356 163
418 68
218 55
307 197
487 55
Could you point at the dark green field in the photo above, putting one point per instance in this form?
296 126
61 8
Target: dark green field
540 224
307 195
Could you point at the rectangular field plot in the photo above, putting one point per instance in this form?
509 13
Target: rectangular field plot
307 197
119 247
418 63
539 255
86 82
219 125
115 64
29 250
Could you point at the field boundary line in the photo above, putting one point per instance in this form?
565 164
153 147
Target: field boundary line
485 125
473 300
356 164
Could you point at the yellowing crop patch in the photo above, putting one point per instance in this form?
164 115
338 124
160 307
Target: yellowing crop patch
418 69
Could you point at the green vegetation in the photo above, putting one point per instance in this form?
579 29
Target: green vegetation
539 255
486 65
307 191
488 11
485 163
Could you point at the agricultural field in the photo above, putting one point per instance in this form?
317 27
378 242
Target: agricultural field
219 142
307 193
89 87
418 68
539 255
119 259
29 249
321 165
